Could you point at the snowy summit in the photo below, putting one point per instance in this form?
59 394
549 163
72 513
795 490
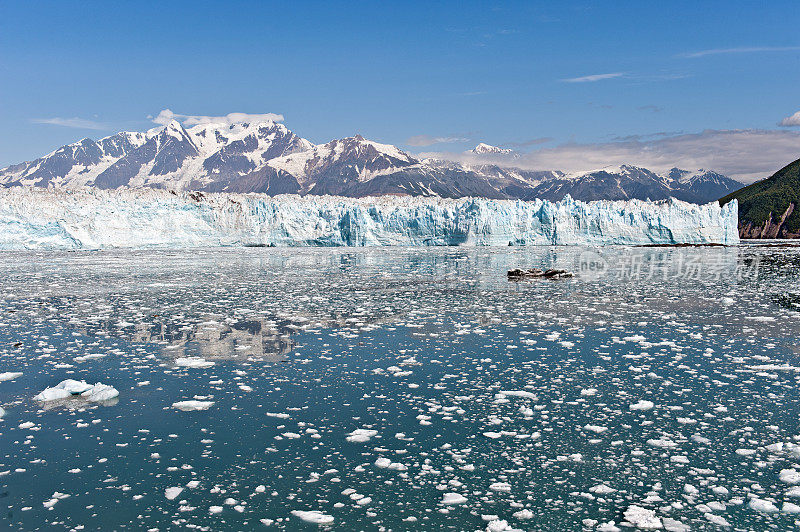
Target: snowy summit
484 149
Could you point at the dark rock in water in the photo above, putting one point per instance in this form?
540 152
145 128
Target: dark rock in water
518 274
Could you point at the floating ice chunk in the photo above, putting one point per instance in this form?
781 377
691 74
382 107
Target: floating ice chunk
602 489
673 525
790 508
664 443
790 476
215 509
643 518
57 496
193 362
100 392
761 505
523 514
313 516
90 356
9 375
361 435
635 338
62 390
383 462
97 393
500 525
642 405
609 526
173 492
720 490
192 405
453 498
775 447
717 519
595 428
501 487
2 412
515 393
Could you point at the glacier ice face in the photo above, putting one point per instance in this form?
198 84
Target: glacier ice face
94 219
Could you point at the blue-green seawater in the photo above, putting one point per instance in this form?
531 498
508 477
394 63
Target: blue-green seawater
421 346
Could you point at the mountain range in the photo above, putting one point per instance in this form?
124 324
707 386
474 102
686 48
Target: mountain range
267 157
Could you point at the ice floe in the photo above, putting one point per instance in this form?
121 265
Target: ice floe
192 405
66 389
313 516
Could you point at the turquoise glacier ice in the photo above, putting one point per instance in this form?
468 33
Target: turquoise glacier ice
94 219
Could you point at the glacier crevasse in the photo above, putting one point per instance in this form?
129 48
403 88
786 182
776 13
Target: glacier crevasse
93 219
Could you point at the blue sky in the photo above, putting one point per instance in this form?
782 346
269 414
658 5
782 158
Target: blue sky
428 76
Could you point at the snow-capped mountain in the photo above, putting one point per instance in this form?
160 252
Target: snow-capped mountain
170 157
702 184
628 182
488 149
267 157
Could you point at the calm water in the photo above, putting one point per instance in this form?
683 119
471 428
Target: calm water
660 377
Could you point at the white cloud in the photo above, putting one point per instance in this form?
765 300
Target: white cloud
594 77
741 50
78 123
791 121
427 140
743 154
165 116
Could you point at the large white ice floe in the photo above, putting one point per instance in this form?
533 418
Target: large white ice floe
313 516
92 219
67 389
192 405
643 518
193 362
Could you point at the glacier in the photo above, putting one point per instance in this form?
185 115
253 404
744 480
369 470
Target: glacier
39 218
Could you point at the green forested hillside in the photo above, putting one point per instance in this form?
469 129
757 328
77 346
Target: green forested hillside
766 201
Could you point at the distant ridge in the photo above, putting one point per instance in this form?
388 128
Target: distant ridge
267 157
